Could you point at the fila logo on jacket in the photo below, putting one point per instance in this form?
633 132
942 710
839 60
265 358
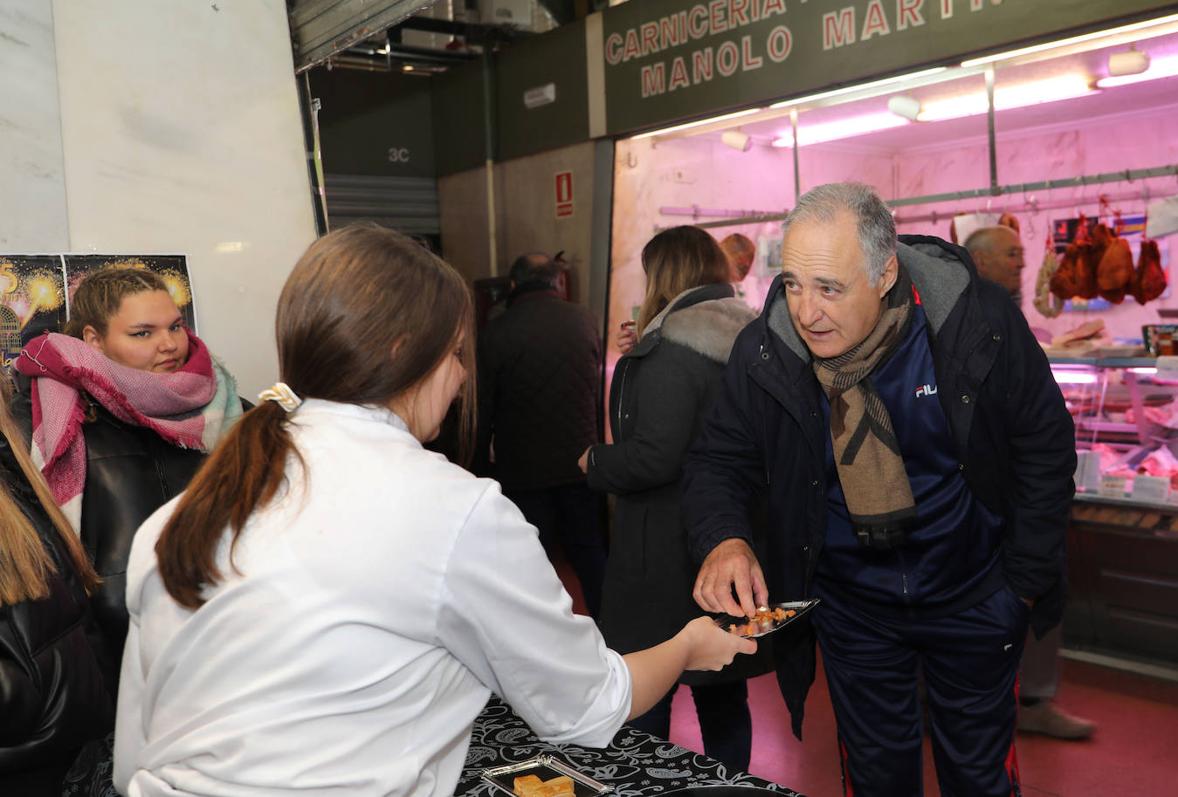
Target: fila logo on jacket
926 390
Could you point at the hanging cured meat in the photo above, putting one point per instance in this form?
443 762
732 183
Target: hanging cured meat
1091 254
1046 302
1009 220
1149 282
1064 282
1114 271
1076 275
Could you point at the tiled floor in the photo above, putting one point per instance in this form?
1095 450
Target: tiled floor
1132 753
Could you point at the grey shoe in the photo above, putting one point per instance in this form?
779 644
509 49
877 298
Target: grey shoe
1050 720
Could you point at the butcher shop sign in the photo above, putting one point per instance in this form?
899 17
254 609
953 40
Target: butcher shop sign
666 60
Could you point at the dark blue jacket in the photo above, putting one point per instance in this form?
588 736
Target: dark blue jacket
1013 436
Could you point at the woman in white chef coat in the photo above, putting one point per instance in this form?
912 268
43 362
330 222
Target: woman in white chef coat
328 606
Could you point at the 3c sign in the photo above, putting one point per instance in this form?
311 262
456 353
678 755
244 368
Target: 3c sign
398 154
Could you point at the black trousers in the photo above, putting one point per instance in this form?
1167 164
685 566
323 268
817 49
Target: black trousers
570 516
873 658
724 721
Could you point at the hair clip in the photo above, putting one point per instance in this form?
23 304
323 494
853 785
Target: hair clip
281 394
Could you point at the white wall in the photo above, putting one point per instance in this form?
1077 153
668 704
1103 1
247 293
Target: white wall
32 175
179 132
525 213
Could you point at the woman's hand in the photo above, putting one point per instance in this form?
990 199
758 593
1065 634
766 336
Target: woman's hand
583 462
711 647
700 645
627 336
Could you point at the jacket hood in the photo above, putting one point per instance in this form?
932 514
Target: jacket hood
709 328
689 332
940 271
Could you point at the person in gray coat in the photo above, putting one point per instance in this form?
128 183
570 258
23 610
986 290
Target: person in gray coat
660 394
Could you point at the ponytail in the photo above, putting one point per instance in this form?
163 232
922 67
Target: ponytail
356 296
241 476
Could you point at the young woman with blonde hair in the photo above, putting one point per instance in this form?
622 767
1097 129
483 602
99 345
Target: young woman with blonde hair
52 696
661 390
121 411
328 606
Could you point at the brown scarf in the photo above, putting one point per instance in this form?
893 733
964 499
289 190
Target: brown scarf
866 452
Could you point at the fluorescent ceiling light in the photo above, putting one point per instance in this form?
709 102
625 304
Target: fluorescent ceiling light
1095 36
904 106
737 140
688 125
1166 66
860 87
842 128
1130 62
1064 87
1073 378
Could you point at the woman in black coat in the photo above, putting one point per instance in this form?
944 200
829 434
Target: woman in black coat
52 696
661 392
130 403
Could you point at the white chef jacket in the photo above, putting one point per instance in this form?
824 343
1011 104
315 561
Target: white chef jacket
368 613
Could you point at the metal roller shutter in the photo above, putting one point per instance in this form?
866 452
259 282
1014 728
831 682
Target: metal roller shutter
322 28
406 204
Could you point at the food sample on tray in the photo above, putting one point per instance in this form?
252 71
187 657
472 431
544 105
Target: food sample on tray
532 786
763 620
543 776
767 618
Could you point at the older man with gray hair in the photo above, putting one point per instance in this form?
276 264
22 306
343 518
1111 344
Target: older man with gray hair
998 254
917 457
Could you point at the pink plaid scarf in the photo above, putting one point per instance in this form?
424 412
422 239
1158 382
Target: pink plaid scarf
189 408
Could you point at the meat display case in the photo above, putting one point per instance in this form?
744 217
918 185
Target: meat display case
1123 536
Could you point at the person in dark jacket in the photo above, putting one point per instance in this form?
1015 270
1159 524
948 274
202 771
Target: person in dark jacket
661 391
918 459
539 372
998 254
52 696
121 412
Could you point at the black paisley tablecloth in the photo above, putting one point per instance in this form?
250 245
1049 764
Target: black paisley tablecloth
636 764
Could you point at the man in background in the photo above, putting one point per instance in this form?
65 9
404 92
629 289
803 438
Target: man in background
741 252
539 376
998 254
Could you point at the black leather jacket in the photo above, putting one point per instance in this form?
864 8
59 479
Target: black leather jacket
130 472
53 697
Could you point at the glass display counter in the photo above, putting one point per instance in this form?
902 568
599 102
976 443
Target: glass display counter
1123 536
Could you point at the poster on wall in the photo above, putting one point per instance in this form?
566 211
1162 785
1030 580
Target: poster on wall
1129 227
172 268
32 300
